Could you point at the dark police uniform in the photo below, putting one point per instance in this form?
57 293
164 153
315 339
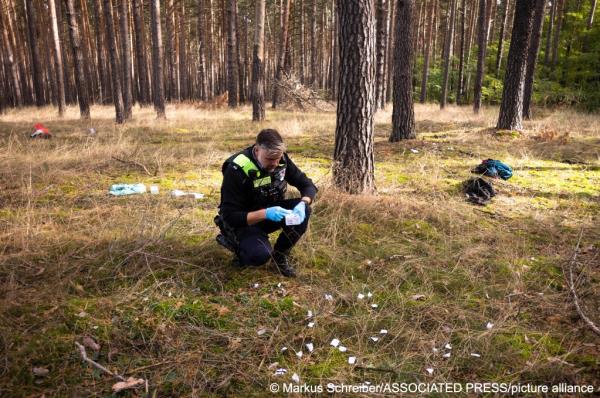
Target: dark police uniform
247 187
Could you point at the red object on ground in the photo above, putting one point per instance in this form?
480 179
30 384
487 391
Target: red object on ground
40 131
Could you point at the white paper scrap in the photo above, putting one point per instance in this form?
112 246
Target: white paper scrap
447 355
474 354
309 314
369 294
413 150
283 349
375 338
328 297
383 331
429 370
295 378
374 306
352 360
310 347
280 372
489 325
342 348
360 296
435 349
448 346
311 324
261 332
256 285
299 354
335 342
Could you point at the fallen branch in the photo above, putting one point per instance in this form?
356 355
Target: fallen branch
571 283
96 364
134 163
123 384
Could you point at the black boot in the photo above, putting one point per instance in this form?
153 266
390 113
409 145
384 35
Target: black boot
282 261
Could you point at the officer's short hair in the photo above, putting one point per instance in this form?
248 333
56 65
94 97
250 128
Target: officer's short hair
271 140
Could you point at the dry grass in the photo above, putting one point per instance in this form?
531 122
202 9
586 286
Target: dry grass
143 276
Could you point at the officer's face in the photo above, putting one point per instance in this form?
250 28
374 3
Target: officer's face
266 158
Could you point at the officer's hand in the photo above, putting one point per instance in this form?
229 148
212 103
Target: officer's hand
277 213
300 210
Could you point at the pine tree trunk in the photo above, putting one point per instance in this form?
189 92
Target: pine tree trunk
556 40
238 58
140 41
461 57
481 41
9 60
353 169
590 20
534 47
471 34
501 38
382 15
302 45
548 51
60 83
183 65
448 51
232 59
511 108
103 84
391 51
158 83
258 72
126 65
80 79
285 13
403 116
428 42
32 29
112 51
202 67
313 45
170 51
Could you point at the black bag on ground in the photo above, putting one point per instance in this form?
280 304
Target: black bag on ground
478 190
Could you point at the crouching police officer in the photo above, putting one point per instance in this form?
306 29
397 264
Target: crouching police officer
253 203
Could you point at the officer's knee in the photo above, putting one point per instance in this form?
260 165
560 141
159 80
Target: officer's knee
257 256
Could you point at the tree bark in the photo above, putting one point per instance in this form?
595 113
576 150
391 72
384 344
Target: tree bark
353 169
501 38
183 65
126 44
590 20
80 79
548 51
403 116
202 69
313 45
112 51
461 57
534 47
258 72
158 82
382 21
32 29
558 27
448 51
60 81
285 13
140 41
9 61
481 41
232 59
428 43
511 108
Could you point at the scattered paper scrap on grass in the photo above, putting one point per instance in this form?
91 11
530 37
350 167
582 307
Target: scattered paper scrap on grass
429 370
130 383
352 360
296 378
489 325
280 372
335 342
310 347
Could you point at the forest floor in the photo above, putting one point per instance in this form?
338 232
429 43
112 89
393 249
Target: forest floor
143 276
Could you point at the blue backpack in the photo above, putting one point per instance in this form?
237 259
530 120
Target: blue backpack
494 168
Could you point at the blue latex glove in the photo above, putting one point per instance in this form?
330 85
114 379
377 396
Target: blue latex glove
300 210
276 213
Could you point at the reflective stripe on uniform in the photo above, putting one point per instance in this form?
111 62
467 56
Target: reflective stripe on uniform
262 181
247 165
